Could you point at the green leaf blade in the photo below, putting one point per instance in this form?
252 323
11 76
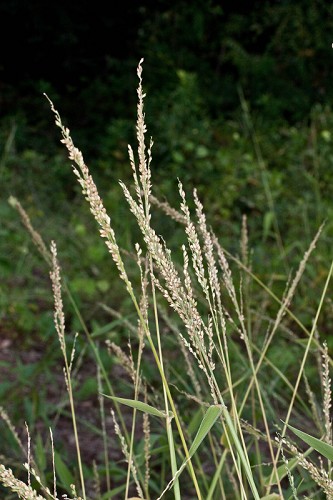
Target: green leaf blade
323 448
209 419
138 405
63 472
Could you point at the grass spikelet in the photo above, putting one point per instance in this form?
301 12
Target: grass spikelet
28 453
53 466
8 422
91 194
59 317
23 491
103 425
289 295
35 236
313 405
59 321
327 399
125 360
319 476
290 476
126 454
147 450
245 242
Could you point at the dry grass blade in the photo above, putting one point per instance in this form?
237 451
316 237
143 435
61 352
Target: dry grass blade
327 400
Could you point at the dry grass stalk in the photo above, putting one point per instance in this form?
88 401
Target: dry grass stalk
59 321
33 472
327 400
103 425
125 360
90 192
23 491
147 450
313 405
173 290
245 242
8 422
126 454
35 236
53 465
301 268
319 476
59 317
143 324
190 370
29 453
143 183
290 476
97 483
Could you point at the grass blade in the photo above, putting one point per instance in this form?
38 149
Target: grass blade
323 448
139 405
209 419
63 472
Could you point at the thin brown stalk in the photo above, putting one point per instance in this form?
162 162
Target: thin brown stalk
327 400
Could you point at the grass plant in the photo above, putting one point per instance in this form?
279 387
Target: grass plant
209 406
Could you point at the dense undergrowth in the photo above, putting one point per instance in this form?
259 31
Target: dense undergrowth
224 340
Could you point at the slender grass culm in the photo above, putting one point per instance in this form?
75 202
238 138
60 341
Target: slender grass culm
206 427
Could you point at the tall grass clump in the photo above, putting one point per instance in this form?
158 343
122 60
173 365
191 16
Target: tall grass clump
229 360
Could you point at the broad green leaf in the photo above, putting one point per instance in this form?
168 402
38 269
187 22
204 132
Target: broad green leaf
272 496
282 472
138 405
63 472
195 421
210 417
323 448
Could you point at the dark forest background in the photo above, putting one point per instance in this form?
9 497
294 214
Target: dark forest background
84 53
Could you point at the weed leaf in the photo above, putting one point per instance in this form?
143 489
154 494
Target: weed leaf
323 448
209 419
63 472
138 405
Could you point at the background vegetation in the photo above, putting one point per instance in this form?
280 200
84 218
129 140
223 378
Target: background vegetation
240 107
